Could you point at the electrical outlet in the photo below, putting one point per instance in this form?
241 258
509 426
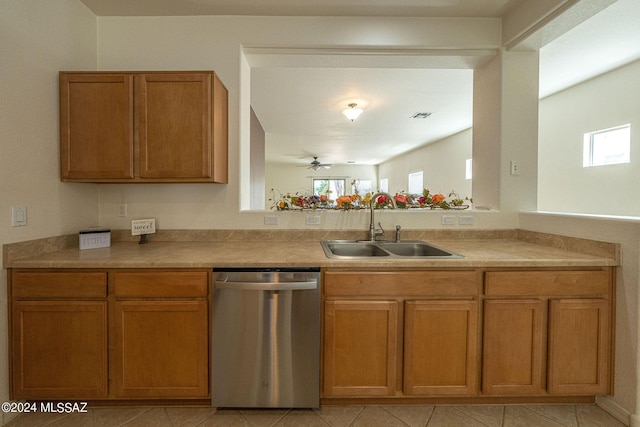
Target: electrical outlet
270 220
447 220
122 210
515 167
465 220
312 220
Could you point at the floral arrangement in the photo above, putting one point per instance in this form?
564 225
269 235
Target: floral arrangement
354 202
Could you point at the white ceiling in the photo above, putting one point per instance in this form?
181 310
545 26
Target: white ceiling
301 106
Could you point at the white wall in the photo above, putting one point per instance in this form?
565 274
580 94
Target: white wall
214 42
442 163
600 103
257 175
565 186
37 39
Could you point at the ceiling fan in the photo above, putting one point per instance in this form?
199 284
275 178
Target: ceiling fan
315 164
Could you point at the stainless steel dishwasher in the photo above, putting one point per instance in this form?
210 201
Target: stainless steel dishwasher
266 338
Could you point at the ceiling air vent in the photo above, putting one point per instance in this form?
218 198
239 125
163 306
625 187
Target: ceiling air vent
420 115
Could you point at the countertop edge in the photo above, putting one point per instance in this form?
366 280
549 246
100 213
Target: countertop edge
484 248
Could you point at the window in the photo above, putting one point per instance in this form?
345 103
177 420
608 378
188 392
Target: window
384 184
363 186
607 146
415 183
468 172
333 188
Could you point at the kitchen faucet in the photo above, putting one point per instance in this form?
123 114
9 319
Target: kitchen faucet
373 232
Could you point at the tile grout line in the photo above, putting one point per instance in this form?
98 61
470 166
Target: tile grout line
357 416
433 409
457 408
394 416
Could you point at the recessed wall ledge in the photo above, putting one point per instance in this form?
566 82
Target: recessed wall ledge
13 251
625 218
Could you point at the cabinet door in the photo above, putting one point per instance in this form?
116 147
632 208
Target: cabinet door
579 346
360 348
173 115
96 126
161 349
440 342
59 349
513 337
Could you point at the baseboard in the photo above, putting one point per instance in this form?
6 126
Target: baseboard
617 411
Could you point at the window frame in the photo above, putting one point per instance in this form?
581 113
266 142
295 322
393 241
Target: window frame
415 177
328 180
589 147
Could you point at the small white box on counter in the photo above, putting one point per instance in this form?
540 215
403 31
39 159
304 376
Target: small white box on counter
95 237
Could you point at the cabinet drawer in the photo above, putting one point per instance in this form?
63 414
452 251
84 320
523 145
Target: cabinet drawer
405 283
547 283
59 285
161 284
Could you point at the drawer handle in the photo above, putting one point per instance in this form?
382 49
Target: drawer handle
267 286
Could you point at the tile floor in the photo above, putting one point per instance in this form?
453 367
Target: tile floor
334 416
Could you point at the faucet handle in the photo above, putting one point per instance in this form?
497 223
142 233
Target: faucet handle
380 232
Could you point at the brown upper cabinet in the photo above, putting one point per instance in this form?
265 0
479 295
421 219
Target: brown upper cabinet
143 127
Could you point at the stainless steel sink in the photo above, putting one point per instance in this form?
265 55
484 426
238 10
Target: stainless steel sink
414 249
354 249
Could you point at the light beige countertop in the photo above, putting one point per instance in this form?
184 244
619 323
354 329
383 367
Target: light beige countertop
515 248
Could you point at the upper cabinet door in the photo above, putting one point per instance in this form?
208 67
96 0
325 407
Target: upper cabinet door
174 125
143 127
96 126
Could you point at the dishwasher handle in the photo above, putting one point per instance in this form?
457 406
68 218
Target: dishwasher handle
267 286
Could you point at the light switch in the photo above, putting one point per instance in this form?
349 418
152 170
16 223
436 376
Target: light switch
18 216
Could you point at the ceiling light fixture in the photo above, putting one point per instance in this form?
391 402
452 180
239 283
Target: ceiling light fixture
353 112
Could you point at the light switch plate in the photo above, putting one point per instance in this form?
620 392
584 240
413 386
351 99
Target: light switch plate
18 216
143 226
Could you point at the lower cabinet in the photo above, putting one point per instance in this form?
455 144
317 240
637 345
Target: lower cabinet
145 333
161 349
512 359
160 334
109 334
361 346
60 349
481 333
440 348
58 335
547 333
403 333
579 346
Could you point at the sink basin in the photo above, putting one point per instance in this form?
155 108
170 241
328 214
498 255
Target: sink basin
414 249
354 249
